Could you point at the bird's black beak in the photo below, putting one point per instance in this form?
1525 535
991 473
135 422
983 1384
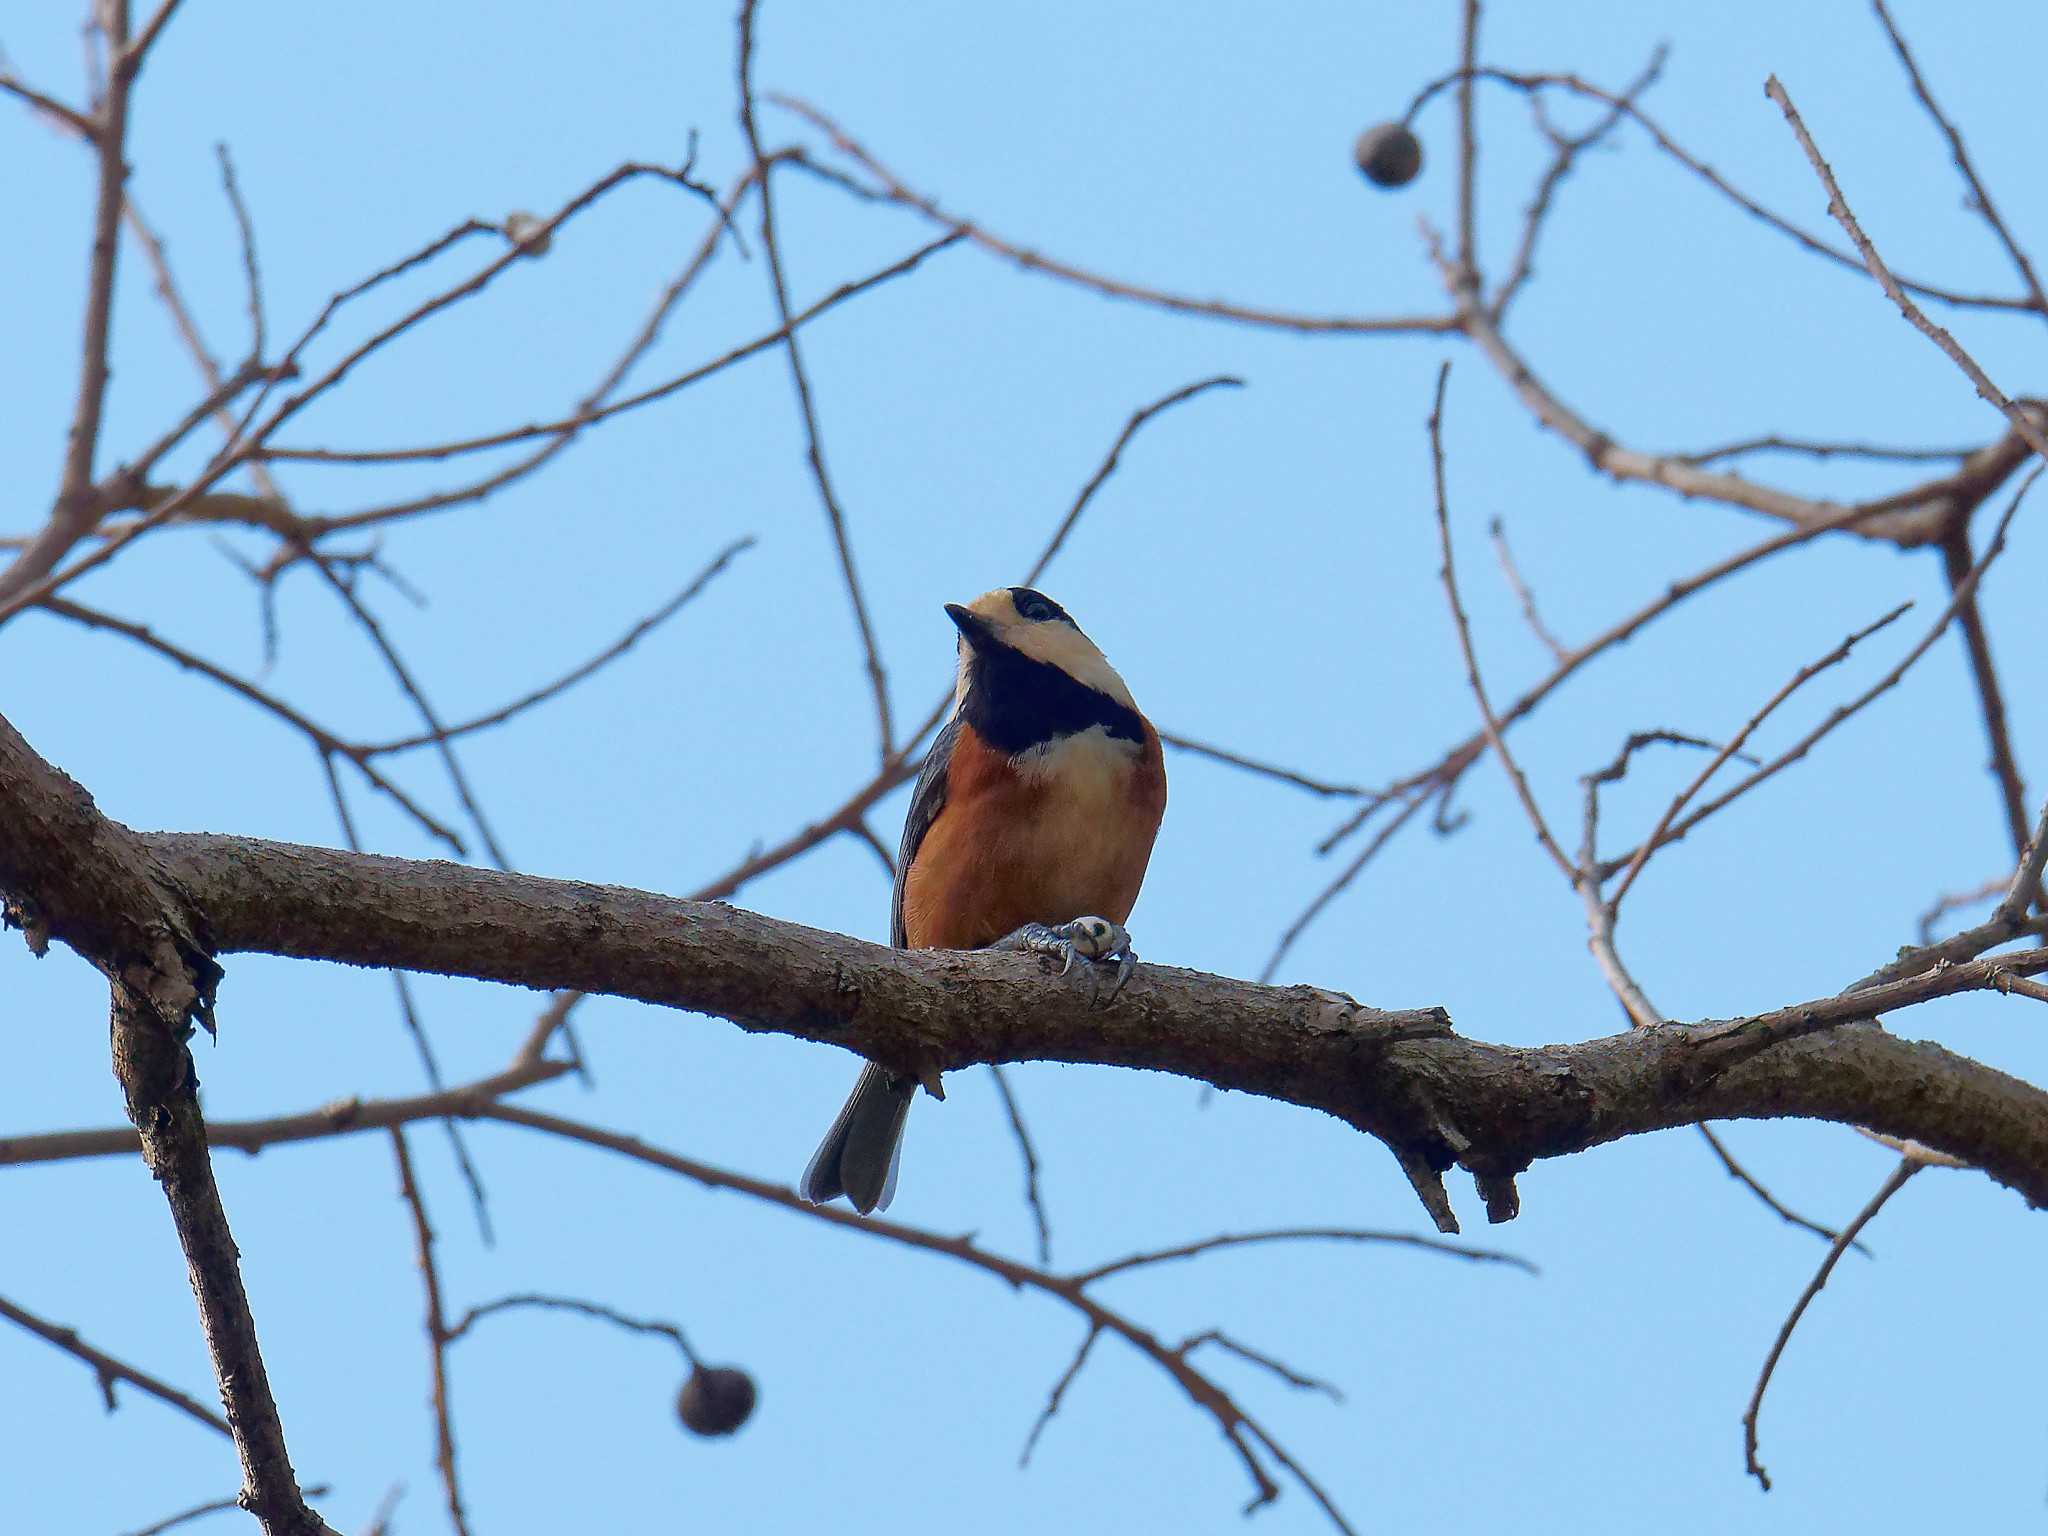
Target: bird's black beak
974 629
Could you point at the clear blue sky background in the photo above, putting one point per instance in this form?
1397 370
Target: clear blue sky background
1262 569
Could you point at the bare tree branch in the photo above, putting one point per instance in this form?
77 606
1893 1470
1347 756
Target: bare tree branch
1750 1182
1033 261
1034 1199
1568 148
210 1507
807 407
1957 563
109 1369
2024 421
437 1332
632 637
69 117
913 1013
75 511
1494 736
1980 195
156 1076
1574 85
1237 1426
1114 457
1908 1166
1915 516
343 1117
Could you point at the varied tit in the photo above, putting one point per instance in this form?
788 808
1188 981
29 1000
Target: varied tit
1030 828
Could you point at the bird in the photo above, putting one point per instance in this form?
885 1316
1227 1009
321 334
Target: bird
1030 828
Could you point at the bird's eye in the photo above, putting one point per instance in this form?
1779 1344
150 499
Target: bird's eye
1035 608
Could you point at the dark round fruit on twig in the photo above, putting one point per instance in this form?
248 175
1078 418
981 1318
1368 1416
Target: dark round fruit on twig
1388 154
716 1400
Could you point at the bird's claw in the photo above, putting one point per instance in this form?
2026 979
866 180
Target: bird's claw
1093 939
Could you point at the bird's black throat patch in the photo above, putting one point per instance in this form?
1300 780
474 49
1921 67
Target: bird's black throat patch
1016 702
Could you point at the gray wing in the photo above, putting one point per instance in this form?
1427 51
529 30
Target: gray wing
926 801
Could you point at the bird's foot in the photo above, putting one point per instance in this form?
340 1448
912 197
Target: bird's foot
1094 939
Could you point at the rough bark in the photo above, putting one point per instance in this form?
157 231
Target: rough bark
68 872
1400 1075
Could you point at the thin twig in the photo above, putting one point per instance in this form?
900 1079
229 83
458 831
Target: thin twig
2025 890
1058 1393
1110 461
1535 82
402 675
1286 1373
1468 283
1956 563
1908 1166
252 275
1749 1181
1523 595
1437 781
1722 1044
1033 1198
1842 712
342 1117
129 487
131 55
1447 769
1917 515
1733 748
534 1301
211 1507
1952 901
75 510
1568 149
578 204
1034 261
2023 421
380 1518
1812 448
1409 803
642 341
1238 1428
69 117
1252 765
1301 1235
437 1332
108 1369
1980 195
1448 573
639 631
324 741
625 403
1602 916
807 407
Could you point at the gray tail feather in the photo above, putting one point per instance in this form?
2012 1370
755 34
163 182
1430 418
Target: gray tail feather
858 1156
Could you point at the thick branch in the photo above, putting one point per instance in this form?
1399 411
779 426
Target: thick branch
163 1101
71 874
1399 1075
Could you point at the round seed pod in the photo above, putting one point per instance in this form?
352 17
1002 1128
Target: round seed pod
716 1400
1388 154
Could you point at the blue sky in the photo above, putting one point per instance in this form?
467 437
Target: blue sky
1262 571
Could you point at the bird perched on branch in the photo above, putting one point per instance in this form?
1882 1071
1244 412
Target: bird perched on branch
1030 828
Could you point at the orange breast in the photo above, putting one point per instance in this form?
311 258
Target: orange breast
1066 835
